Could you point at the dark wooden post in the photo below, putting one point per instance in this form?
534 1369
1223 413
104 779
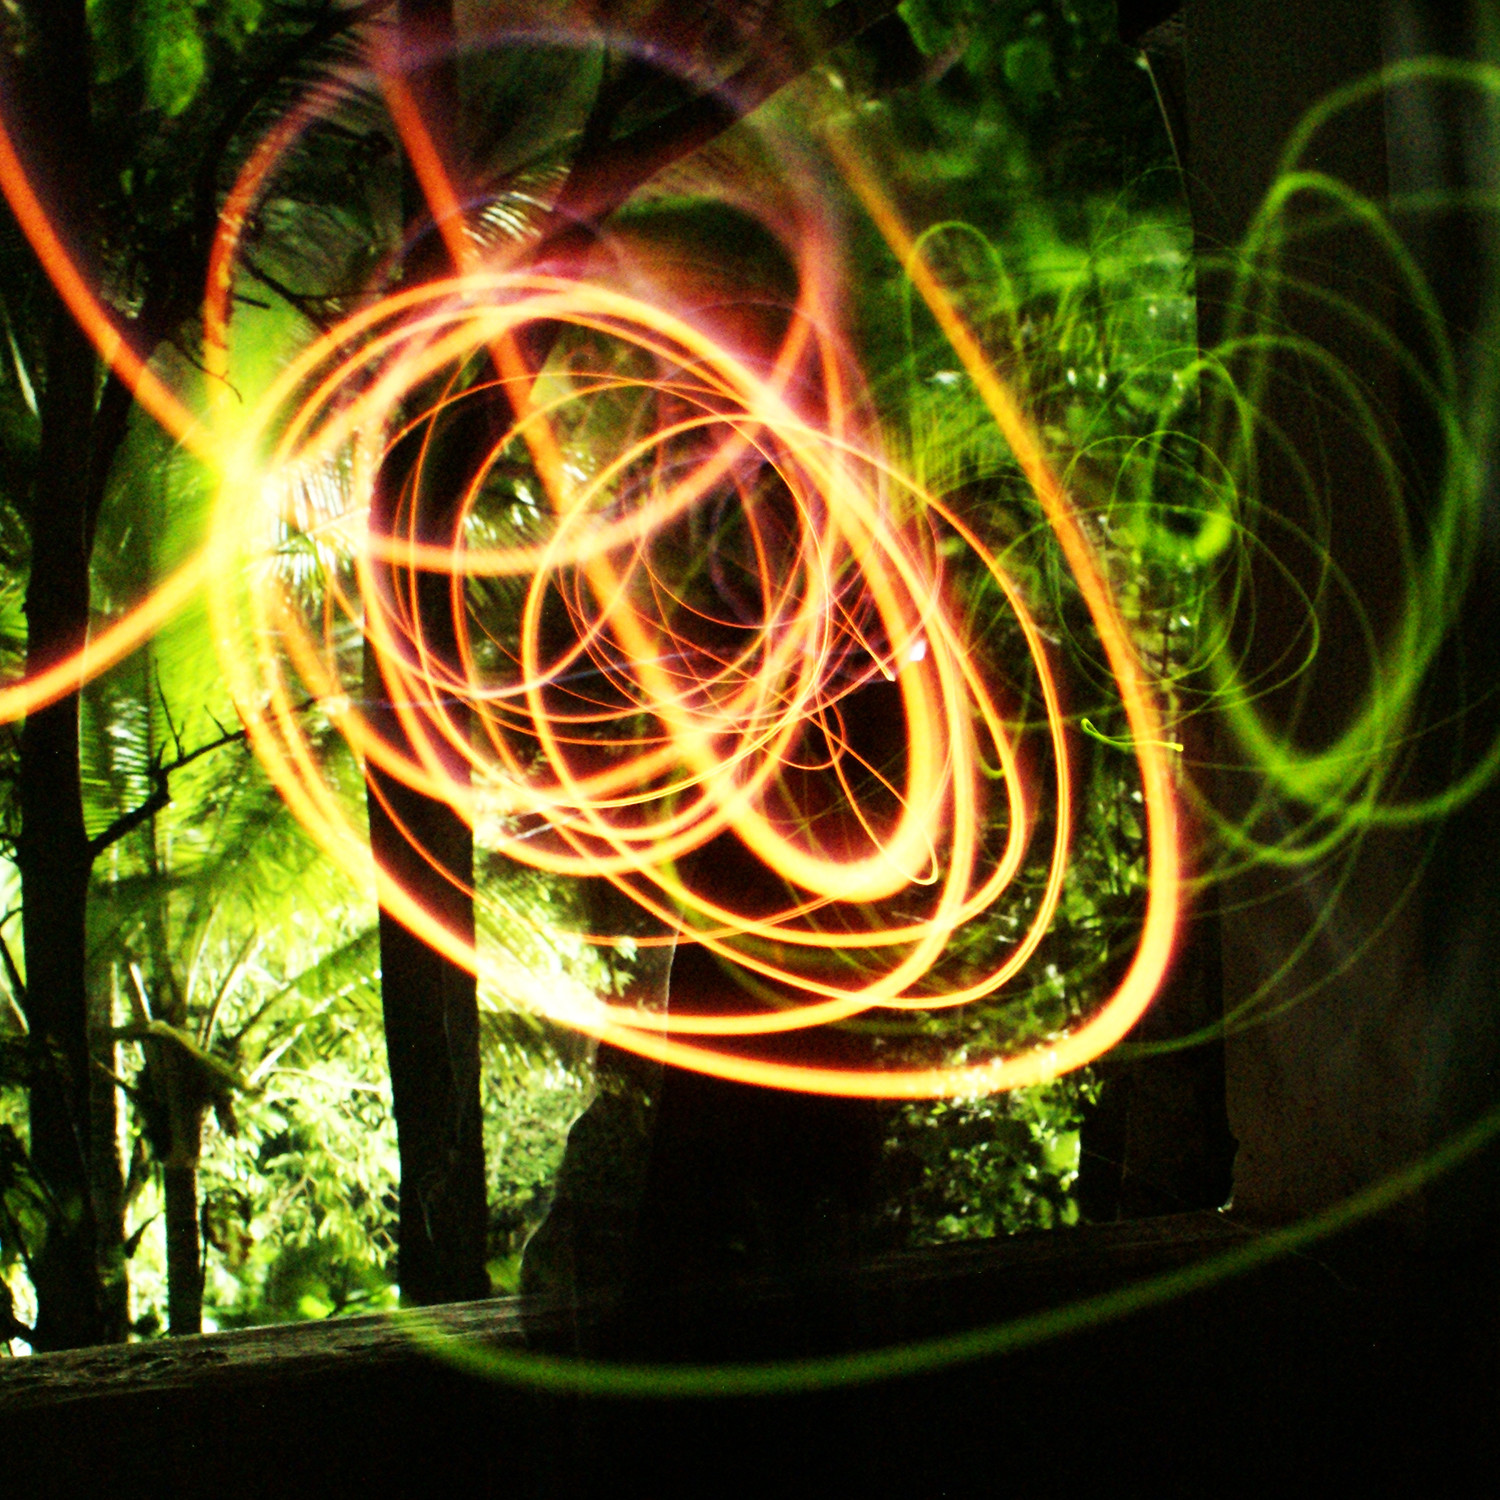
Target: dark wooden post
1349 962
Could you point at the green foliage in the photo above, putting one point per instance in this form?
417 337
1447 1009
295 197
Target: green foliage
222 914
965 1169
935 24
527 1112
23 1215
1029 69
216 928
167 44
1072 265
299 1205
171 52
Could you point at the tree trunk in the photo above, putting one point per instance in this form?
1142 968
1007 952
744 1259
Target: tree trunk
432 1041
53 858
105 1169
184 1256
180 1189
430 1005
50 92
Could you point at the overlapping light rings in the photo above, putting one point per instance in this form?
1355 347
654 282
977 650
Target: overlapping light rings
699 603
854 593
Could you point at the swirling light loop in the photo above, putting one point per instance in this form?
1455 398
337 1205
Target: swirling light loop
732 580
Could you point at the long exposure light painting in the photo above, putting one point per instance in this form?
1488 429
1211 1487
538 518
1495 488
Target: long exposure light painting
615 551
722 568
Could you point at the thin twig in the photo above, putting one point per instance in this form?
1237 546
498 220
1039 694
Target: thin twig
142 1002
206 1031
161 795
166 712
128 1089
303 302
17 992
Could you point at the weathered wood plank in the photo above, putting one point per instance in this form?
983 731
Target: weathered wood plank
915 1292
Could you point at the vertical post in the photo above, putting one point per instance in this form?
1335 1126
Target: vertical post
1332 964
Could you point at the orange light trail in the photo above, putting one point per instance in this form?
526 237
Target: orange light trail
704 607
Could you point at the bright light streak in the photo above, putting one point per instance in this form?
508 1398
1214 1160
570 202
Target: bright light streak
701 609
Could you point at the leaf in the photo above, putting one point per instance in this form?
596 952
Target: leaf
233 21
1029 69
172 54
932 23
10 1325
112 37
134 1242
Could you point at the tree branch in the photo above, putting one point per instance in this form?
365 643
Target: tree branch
161 795
303 302
601 183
